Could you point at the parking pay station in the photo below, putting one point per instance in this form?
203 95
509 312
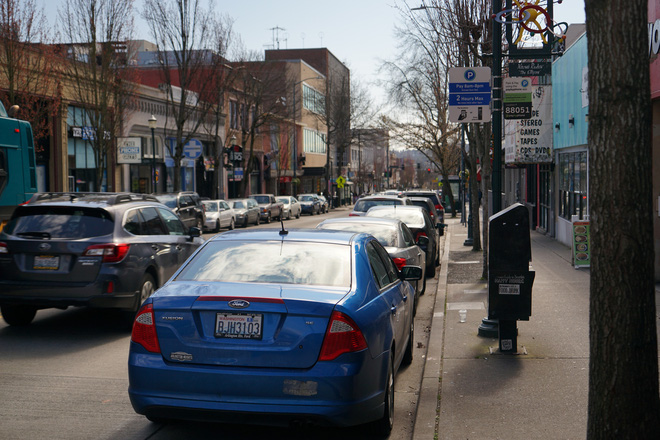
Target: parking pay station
510 279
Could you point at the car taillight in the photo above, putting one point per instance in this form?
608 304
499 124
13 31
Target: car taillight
420 234
144 329
399 262
4 249
439 208
111 253
342 336
353 215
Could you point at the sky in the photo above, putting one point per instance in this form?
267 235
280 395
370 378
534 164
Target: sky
360 33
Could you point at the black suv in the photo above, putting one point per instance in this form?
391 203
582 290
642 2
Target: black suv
107 250
187 205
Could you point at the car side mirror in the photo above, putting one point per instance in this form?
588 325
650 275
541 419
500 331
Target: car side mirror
423 241
194 231
410 273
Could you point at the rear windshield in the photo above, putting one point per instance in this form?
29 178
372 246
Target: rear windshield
364 205
261 199
236 205
279 262
421 203
385 234
169 201
306 198
413 219
60 222
210 206
433 196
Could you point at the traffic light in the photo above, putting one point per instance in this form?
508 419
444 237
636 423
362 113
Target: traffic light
428 170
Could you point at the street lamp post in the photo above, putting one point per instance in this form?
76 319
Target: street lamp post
230 158
152 126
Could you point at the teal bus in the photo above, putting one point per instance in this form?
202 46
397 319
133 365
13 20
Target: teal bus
18 169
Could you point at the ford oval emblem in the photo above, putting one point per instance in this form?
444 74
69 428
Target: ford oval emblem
238 303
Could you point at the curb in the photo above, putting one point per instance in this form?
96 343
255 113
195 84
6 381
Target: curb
429 393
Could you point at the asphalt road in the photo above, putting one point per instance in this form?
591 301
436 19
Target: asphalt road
65 377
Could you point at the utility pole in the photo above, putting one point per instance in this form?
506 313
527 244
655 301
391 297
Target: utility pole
497 110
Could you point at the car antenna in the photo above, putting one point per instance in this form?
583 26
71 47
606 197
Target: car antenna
283 231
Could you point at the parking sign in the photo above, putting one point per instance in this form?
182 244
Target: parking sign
469 94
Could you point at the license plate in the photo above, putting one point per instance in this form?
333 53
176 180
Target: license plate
46 262
238 325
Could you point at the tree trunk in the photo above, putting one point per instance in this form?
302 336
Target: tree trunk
623 367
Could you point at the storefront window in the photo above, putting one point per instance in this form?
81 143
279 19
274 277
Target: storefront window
82 157
573 196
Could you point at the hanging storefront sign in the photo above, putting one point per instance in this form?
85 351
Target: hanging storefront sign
129 150
529 141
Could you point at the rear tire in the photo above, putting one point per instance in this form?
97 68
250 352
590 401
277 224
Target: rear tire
232 224
147 289
430 271
298 215
18 315
217 226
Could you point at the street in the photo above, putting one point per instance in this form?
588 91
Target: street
65 377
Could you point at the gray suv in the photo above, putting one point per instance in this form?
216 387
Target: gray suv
187 205
108 250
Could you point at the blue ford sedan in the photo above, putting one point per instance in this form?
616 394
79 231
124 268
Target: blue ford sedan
276 327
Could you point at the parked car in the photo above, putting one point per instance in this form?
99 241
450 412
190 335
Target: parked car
419 222
308 334
437 217
325 206
218 215
246 211
394 235
187 205
109 250
310 203
435 198
291 207
269 206
363 204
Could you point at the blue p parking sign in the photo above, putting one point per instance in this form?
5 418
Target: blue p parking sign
469 94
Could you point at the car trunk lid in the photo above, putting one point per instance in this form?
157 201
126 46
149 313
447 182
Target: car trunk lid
240 324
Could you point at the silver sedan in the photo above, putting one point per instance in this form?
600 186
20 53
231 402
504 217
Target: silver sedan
393 234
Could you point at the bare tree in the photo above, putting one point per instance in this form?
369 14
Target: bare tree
97 70
419 86
437 36
29 77
221 77
623 358
257 99
183 32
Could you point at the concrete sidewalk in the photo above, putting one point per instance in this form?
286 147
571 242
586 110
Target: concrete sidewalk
469 391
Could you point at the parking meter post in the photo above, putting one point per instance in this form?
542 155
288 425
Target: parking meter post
510 279
508 336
